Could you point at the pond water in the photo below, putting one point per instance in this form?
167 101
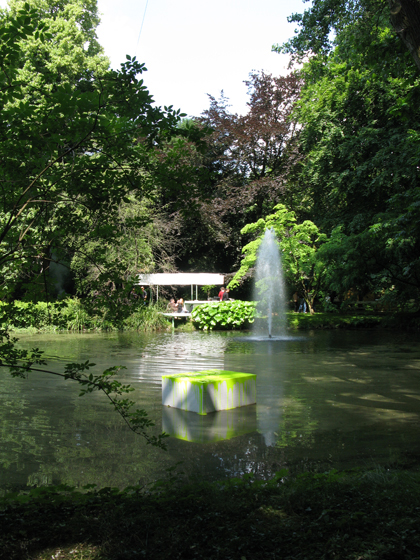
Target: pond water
328 399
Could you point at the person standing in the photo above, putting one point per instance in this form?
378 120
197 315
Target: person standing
295 298
302 306
143 294
225 296
222 291
133 294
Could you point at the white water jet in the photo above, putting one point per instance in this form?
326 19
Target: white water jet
269 289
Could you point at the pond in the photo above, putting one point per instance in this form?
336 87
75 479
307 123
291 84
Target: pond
325 399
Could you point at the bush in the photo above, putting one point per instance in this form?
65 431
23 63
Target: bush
146 318
224 315
24 315
73 315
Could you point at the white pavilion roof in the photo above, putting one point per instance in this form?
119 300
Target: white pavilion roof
181 279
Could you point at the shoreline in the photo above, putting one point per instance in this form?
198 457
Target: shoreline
295 322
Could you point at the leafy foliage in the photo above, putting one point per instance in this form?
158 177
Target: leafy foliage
299 244
237 174
359 176
139 240
73 314
79 141
77 138
324 20
327 19
224 315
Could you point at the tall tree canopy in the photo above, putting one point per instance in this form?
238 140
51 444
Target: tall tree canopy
239 171
326 19
358 177
77 138
251 149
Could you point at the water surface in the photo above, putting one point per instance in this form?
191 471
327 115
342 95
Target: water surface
327 399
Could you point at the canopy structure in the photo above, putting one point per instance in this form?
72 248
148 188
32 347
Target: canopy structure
182 279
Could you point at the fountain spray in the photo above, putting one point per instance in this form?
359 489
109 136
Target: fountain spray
269 284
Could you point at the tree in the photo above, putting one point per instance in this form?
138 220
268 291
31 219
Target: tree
359 175
251 148
106 266
238 172
326 19
76 138
299 244
382 259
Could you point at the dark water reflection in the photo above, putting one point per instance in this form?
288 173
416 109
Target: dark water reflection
331 399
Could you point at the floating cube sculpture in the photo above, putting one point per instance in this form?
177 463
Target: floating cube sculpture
208 391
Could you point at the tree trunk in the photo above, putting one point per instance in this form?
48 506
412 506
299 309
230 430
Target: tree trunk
309 297
309 304
405 19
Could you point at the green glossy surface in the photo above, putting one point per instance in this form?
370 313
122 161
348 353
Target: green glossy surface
210 376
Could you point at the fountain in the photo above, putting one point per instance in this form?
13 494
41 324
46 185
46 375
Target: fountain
269 288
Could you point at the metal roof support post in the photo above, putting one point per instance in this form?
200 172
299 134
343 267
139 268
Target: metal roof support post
192 292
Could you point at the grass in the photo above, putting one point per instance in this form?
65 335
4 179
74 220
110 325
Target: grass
359 515
147 319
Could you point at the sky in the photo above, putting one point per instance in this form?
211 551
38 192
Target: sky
192 48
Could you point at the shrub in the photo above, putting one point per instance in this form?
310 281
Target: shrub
73 314
23 315
224 315
146 318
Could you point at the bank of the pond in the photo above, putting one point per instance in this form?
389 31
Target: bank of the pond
400 321
363 515
73 314
235 315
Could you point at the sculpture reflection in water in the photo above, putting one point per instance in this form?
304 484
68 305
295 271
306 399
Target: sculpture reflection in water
219 426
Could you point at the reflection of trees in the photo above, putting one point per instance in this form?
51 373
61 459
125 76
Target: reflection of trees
365 399
296 426
50 435
79 443
17 434
370 386
348 399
